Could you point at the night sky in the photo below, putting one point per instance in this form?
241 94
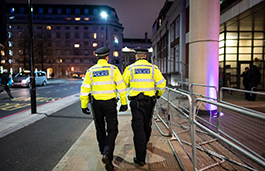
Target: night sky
136 16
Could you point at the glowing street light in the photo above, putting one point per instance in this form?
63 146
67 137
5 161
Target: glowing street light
105 16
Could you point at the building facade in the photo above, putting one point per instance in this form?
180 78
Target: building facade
128 53
65 37
3 33
241 40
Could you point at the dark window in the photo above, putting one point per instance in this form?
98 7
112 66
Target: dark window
58 27
59 10
76 28
86 11
67 44
85 35
49 35
77 11
58 44
39 27
76 35
85 28
49 10
67 35
68 11
22 10
40 10
67 28
86 44
49 44
58 35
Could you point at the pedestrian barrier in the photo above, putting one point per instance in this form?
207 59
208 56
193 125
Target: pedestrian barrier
236 143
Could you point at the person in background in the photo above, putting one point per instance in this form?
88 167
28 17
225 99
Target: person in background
253 79
142 78
245 81
102 81
4 83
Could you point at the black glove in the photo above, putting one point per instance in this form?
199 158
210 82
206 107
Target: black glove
157 97
86 111
123 108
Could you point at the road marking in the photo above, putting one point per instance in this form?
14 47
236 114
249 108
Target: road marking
44 87
47 92
57 90
65 88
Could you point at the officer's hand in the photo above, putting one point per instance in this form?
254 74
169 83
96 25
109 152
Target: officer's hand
86 111
123 108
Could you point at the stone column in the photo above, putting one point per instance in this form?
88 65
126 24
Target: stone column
204 46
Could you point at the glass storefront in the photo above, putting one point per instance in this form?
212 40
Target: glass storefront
240 47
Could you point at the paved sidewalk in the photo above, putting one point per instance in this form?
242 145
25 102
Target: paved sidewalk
84 154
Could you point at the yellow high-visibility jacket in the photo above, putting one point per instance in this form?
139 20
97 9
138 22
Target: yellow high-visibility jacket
102 81
142 76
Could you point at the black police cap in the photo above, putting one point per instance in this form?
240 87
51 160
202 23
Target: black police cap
140 50
103 51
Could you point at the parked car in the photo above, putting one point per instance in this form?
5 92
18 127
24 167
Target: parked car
23 78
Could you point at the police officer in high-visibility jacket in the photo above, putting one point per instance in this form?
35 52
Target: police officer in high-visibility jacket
146 84
102 81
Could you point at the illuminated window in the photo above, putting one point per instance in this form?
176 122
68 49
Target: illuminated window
10 35
10 52
77 45
160 22
95 35
10 43
95 44
86 18
77 18
116 53
12 9
2 53
20 52
68 18
48 27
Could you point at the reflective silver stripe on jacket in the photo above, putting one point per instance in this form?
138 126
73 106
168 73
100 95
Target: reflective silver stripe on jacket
161 81
83 94
122 90
142 89
101 67
162 89
86 85
120 82
153 71
143 80
103 83
104 92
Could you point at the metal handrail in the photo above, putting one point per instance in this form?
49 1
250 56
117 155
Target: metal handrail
252 114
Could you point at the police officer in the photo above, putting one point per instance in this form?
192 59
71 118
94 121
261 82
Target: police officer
145 83
101 82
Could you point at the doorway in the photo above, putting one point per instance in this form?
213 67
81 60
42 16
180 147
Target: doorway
241 69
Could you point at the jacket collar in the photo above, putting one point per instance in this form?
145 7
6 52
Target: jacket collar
102 61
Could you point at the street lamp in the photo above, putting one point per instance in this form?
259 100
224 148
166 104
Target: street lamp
105 16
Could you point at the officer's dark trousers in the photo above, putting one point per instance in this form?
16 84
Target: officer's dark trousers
141 126
105 110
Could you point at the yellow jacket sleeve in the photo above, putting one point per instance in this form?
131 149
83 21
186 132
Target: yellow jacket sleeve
85 90
120 86
160 82
126 76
